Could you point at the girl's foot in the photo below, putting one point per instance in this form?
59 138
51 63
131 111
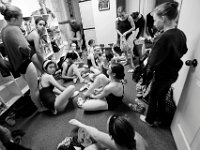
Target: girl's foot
75 94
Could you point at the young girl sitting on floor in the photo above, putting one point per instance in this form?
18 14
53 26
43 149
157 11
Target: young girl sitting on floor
118 55
105 93
70 68
92 60
91 44
47 84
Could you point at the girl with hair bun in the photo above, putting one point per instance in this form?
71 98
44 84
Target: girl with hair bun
18 51
164 61
121 135
105 93
34 39
54 100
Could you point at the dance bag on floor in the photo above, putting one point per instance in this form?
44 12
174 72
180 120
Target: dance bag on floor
170 106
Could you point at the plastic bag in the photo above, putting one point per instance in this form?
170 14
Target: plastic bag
124 45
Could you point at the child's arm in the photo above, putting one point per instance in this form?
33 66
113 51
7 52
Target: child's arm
106 91
97 135
53 82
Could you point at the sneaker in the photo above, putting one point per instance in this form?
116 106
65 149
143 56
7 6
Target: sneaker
143 119
75 94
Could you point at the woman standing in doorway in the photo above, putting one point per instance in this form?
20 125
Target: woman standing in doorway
18 51
164 61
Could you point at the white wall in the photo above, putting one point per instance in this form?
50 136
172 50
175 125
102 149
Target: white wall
27 7
105 23
132 6
145 6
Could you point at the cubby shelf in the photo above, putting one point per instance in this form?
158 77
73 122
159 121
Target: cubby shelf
11 90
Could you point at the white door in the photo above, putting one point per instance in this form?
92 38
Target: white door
186 123
87 17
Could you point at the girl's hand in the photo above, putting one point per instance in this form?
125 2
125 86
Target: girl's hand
124 35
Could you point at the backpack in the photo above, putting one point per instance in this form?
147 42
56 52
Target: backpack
59 64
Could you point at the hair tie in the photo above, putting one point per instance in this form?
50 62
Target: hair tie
45 64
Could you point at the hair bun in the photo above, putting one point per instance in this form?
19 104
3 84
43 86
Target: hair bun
174 5
2 8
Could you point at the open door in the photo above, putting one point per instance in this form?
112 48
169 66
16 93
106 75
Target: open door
87 17
186 123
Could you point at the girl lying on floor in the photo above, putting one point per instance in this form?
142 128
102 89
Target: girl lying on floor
121 135
54 100
105 93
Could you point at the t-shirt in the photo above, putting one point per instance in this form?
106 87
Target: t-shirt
16 46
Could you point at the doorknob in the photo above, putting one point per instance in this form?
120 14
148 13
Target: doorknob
193 62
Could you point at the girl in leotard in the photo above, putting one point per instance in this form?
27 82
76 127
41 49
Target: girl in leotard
53 100
105 93
34 39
